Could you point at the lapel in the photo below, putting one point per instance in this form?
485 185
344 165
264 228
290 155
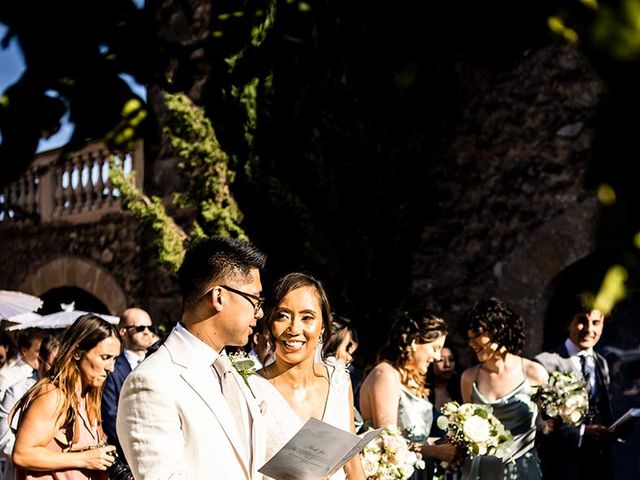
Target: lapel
257 422
565 363
603 384
603 371
122 368
203 381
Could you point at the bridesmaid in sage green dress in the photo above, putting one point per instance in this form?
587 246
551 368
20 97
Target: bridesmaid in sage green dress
394 391
503 380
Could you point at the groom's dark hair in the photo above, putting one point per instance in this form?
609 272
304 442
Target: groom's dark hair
573 304
216 260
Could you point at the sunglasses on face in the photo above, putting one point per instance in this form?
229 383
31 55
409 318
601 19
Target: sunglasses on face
141 328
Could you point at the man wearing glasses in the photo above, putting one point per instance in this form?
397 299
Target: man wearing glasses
138 334
186 413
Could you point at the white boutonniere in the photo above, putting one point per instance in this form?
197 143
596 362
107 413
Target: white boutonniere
245 366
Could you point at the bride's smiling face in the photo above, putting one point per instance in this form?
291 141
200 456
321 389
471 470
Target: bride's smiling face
297 325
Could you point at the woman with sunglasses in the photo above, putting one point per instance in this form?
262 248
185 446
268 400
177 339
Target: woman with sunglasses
502 379
295 386
59 434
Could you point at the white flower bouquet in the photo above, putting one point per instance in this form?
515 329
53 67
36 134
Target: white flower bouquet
475 430
390 457
565 396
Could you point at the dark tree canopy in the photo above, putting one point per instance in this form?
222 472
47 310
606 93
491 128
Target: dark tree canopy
334 113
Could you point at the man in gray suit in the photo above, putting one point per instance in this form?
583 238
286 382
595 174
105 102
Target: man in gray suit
580 452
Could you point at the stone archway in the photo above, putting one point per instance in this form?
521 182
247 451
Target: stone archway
525 277
81 273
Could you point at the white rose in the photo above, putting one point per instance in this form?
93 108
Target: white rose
575 417
407 471
442 422
466 409
370 466
477 429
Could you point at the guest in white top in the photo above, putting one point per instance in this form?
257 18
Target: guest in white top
26 363
48 351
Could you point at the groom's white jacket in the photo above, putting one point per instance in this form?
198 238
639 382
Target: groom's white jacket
174 423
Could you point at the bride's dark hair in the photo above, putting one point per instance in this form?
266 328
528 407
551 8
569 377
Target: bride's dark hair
419 327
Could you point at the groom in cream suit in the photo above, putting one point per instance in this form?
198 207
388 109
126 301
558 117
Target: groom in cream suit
180 416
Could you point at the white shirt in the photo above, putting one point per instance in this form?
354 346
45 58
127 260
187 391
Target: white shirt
7 436
11 374
134 358
576 352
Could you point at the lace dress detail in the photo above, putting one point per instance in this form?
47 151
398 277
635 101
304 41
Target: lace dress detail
283 422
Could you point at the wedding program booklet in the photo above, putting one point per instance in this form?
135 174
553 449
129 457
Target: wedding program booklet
632 416
317 450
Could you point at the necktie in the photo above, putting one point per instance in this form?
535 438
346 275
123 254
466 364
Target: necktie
589 373
232 394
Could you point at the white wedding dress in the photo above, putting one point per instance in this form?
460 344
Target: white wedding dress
283 422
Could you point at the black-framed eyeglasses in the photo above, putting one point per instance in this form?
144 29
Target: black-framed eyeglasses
141 328
259 301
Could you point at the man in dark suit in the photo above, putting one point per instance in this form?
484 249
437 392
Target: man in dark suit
138 334
585 451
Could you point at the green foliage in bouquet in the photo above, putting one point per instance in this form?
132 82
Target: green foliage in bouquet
565 396
475 429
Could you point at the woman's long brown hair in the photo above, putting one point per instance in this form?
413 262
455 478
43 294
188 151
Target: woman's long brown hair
83 335
421 328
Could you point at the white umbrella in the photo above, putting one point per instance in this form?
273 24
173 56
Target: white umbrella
61 319
26 317
14 303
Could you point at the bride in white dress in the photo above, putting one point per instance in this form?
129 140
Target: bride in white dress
295 387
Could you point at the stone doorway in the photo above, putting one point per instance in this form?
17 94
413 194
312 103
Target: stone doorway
81 274
82 300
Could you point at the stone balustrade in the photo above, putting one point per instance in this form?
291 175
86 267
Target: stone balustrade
78 190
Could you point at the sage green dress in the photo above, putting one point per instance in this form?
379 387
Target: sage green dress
415 417
518 414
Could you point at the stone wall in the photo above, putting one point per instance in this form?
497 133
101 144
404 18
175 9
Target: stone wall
516 164
117 250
